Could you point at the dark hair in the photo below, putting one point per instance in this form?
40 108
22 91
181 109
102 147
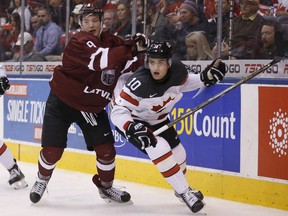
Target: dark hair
17 19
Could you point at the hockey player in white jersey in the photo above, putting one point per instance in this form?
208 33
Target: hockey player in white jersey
143 105
17 178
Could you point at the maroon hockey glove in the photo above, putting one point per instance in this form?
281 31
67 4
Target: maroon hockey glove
137 132
141 39
4 85
213 73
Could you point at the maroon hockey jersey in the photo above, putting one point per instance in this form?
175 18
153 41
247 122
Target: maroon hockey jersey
90 70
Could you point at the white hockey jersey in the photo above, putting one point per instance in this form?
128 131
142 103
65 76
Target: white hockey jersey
149 100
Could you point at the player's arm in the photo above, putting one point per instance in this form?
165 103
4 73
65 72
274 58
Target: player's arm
211 75
123 104
134 131
121 117
114 56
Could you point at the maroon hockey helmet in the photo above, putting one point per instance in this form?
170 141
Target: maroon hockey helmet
90 9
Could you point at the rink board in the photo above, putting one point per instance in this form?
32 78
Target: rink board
235 149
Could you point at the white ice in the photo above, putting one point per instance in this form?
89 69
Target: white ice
73 193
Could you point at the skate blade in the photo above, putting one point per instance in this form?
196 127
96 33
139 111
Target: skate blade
108 200
201 212
19 184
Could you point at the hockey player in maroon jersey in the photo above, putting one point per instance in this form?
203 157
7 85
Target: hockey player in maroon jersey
81 88
17 178
143 105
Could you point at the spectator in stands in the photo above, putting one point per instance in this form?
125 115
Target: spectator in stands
246 33
267 36
34 25
35 4
28 54
9 35
268 7
193 19
197 46
169 6
48 35
58 12
74 25
225 23
139 15
123 27
212 38
3 10
109 19
281 12
27 13
157 25
282 8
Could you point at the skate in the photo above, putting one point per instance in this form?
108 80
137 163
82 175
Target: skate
17 178
38 189
198 194
112 194
192 201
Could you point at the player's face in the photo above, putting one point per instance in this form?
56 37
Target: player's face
158 67
91 24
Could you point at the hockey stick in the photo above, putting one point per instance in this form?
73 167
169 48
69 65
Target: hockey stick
205 103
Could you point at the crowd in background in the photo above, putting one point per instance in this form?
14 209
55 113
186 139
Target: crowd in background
246 31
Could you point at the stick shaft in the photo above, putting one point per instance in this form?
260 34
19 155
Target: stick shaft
210 100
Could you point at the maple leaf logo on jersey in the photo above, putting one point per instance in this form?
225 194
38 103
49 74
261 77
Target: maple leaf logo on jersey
160 107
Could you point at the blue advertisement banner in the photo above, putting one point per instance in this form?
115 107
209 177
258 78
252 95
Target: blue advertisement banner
211 136
24 106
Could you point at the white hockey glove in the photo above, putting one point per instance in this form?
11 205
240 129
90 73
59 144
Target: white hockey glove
4 85
139 133
213 73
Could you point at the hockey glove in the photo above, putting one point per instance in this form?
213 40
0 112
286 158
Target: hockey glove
142 40
4 85
213 73
137 132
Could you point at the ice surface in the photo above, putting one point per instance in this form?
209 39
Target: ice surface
73 193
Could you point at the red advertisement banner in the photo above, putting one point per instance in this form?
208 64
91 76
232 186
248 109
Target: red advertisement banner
273 132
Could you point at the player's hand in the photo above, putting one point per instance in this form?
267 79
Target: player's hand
213 73
137 132
141 39
4 85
